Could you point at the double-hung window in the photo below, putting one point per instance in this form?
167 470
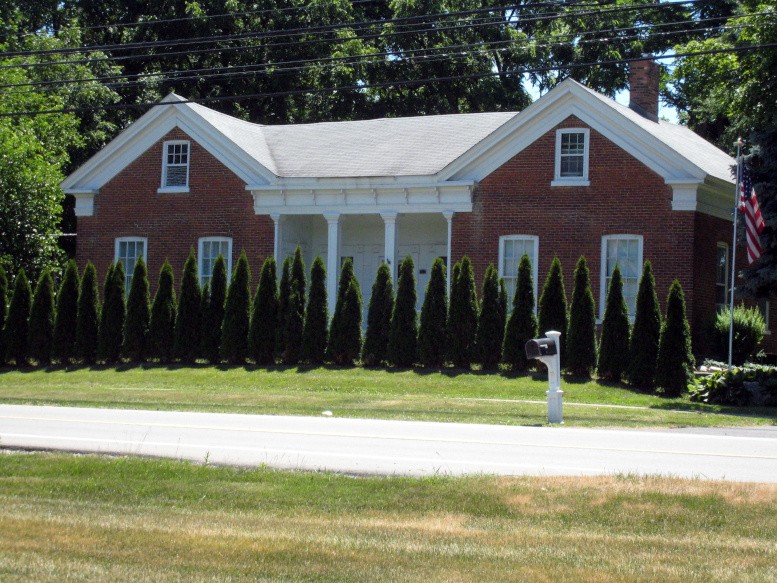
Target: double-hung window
511 249
128 250
209 250
175 166
571 157
625 251
721 277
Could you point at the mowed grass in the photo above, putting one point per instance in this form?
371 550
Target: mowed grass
446 395
88 518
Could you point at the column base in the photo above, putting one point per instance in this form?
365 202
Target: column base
555 403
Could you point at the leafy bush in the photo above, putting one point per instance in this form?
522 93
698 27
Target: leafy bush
749 328
728 387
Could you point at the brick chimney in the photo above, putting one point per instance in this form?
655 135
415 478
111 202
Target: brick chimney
643 88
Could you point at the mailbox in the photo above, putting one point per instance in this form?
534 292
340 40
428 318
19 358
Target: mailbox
538 347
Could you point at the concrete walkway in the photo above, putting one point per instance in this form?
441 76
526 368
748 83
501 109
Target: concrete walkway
361 446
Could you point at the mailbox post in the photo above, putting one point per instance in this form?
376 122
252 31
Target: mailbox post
548 351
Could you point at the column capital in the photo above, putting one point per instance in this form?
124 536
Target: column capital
275 217
332 216
389 216
448 215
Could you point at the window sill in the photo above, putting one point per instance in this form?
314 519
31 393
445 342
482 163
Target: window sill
169 189
570 182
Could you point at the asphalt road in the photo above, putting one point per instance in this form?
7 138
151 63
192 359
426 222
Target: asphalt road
361 446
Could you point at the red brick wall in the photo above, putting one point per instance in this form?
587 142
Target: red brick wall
217 204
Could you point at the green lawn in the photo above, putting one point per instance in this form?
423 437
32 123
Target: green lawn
87 518
356 392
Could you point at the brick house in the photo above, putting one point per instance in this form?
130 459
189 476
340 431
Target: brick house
575 173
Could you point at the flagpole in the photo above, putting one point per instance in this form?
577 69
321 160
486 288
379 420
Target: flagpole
739 144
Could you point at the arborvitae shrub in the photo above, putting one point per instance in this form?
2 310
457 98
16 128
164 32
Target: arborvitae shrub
403 329
463 316
316 316
112 315
284 299
345 331
213 316
188 320
298 283
675 364
88 315
434 318
234 333
613 348
42 320
3 312
161 331
379 317
502 311
553 306
294 320
581 334
264 315
522 324
64 342
138 314
17 324
643 346
489 334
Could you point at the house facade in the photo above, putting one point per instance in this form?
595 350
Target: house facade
573 174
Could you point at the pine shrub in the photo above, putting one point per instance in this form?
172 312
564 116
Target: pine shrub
643 345
264 315
379 317
675 364
3 312
522 324
112 316
316 316
502 311
581 334
64 341
553 306
188 320
613 348
298 282
161 331
213 315
138 314
403 329
345 330
284 301
434 318
88 315
17 325
294 319
234 332
42 320
463 316
489 334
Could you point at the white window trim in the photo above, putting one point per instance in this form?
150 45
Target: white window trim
163 188
583 180
534 260
117 244
227 259
603 270
722 245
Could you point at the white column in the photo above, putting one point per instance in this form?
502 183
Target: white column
332 258
390 239
276 219
449 218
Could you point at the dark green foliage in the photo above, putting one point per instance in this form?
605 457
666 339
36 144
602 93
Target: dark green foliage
138 314
234 333
613 348
293 318
316 316
502 310
346 329
553 306
284 298
112 315
581 334
298 283
643 346
748 386
188 319
749 328
264 315
213 315
3 312
379 317
434 318
403 329
522 325
88 315
17 324
64 342
42 320
462 316
489 334
161 330
675 364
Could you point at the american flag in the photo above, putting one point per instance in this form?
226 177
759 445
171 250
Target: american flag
754 223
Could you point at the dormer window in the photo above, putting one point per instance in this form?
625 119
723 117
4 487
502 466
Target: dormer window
175 167
572 157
